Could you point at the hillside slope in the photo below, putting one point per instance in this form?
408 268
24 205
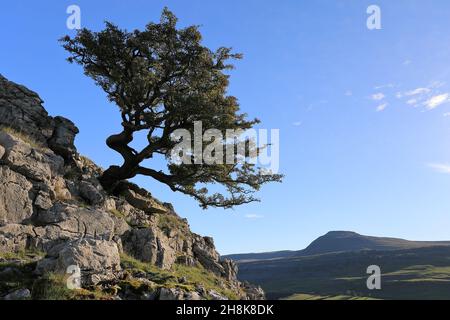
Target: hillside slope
340 241
55 217
334 267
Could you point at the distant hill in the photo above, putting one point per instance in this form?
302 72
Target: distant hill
340 241
334 266
260 256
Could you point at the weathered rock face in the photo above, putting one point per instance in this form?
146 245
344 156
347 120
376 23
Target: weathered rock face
15 201
63 137
149 245
97 259
51 202
15 237
78 221
22 110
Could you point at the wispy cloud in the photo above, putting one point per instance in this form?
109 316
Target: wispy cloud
253 216
436 101
382 107
407 62
440 167
412 102
383 86
417 91
297 123
414 92
378 96
348 93
429 96
446 114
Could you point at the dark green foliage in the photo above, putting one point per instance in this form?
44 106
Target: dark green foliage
163 79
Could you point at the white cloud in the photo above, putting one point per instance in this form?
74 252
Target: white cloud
412 102
417 91
378 96
389 85
440 167
297 123
437 84
381 107
253 216
436 101
447 114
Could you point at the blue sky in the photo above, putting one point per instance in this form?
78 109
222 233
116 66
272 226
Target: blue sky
364 115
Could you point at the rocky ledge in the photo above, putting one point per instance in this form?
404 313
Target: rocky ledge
54 215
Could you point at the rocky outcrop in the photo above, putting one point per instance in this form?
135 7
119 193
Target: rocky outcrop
150 245
16 205
130 246
21 109
98 260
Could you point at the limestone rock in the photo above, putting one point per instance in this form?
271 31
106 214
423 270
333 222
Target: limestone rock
90 193
43 201
15 203
216 296
142 200
149 245
192 295
79 221
230 269
205 252
63 138
253 292
186 261
32 162
21 109
15 237
59 186
171 294
93 257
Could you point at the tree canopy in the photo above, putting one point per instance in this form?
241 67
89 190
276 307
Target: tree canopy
163 79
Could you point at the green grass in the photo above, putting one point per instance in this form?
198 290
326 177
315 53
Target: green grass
48 287
54 287
120 215
168 222
406 274
169 278
23 255
423 271
21 265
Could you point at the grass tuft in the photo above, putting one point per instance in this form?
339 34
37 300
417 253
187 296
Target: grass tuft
169 278
23 136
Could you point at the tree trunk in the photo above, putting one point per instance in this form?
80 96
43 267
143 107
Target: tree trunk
111 178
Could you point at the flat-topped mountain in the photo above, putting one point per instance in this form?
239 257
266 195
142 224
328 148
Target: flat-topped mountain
337 241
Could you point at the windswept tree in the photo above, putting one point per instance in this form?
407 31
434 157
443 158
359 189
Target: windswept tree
163 79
